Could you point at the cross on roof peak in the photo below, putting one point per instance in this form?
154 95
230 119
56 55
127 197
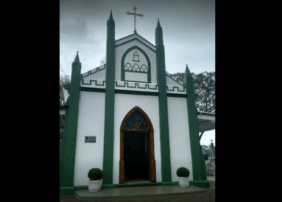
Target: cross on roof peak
141 15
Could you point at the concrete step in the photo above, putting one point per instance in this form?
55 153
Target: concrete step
136 192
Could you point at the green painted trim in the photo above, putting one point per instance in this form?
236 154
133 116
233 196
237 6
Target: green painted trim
147 86
137 35
176 95
136 92
67 190
137 81
145 40
67 154
90 72
95 81
109 104
196 151
139 185
148 61
136 40
79 188
163 110
204 171
135 71
107 186
125 37
175 87
93 89
171 77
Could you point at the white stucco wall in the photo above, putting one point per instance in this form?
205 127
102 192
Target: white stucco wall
180 150
135 76
91 116
123 104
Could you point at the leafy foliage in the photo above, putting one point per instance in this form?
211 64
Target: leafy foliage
204 86
95 174
63 81
182 172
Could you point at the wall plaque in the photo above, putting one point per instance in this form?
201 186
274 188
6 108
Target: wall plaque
90 138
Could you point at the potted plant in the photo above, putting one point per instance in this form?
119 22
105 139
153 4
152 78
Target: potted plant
95 175
183 174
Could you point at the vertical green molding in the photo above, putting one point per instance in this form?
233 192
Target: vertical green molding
198 165
109 104
163 108
67 154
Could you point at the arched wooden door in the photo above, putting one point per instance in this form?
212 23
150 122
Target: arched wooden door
137 120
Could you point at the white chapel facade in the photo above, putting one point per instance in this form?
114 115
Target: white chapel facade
143 120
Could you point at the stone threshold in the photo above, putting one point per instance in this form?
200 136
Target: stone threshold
136 192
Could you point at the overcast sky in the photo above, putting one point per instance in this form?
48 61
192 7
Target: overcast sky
188 32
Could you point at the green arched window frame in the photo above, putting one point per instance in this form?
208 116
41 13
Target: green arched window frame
136 56
148 62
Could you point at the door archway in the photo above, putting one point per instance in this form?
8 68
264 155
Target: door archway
136 120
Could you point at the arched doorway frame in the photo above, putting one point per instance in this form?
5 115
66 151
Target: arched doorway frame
151 153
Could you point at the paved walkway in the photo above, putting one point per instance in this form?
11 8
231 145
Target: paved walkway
206 195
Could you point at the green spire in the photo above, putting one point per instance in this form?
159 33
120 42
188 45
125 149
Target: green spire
159 34
187 71
111 27
111 19
159 25
76 58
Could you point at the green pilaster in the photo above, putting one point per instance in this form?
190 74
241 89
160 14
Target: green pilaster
163 108
67 154
109 104
198 166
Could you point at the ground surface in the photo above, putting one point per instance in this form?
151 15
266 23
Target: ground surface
207 196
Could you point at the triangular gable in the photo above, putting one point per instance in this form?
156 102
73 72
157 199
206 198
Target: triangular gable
172 80
133 37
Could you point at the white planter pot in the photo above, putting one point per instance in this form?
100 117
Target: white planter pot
184 181
94 185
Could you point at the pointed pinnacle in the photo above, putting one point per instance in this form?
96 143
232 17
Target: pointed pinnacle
187 71
158 25
111 16
76 58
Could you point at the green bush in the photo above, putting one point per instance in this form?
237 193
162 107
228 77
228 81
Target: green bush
182 172
95 174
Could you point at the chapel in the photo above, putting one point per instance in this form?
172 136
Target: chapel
130 118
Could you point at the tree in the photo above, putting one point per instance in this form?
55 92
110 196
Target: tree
103 61
206 149
63 81
204 86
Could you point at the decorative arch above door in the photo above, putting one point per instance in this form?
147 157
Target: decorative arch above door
136 120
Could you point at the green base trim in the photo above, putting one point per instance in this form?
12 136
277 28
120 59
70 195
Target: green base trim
176 95
107 186
83 187
66 190
136 92
137 185
92 89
